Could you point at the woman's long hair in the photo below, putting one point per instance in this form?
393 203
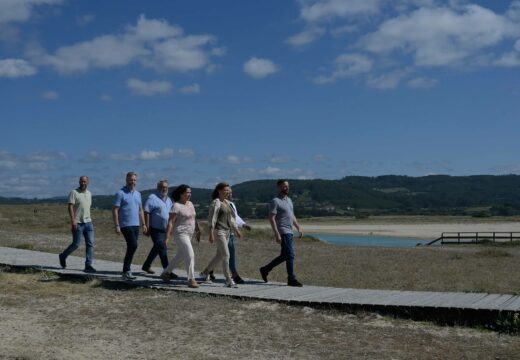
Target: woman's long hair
178 191
219 187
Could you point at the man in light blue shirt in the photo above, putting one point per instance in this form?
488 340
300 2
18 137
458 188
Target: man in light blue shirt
127 211
156 215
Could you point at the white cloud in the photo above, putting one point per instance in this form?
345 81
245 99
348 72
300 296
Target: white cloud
186 153
260 68
84 20
347 65
190 89
150 88
279 159
236 160
306 36
441 36
346 29
422 83
152 43
388 81
46 156
105 97
323 10
50 95
21 10
13 68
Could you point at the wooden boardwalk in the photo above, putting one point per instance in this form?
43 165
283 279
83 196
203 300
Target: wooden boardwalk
448 307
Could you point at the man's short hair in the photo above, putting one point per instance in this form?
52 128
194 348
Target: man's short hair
130 174
160 182
281 181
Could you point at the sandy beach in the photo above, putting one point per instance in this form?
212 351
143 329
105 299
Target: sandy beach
423 228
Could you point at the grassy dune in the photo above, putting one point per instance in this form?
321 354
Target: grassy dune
48 318
456 268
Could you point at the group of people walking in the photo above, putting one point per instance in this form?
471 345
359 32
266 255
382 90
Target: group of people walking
162 216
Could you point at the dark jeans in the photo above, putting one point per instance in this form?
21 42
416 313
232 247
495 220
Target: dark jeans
87 230
232 258
287 255
131 234
159 248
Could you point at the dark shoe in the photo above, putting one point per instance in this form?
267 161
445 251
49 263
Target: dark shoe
295 283
148 270
63 262
264 274
89 269
173 276
238 279
211 276
166 277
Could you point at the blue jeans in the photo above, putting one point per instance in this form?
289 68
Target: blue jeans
87 230
131 235
159 248
232 258
287 255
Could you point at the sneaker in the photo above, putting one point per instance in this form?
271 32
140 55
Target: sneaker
166 277
148 270
238 279
89 269
63 262
295 283
264 273
192 284
211 276
231 284
127 275
206 278
173 276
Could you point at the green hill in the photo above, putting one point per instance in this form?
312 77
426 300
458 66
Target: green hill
479 195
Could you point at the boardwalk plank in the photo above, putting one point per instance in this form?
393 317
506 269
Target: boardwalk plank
257 289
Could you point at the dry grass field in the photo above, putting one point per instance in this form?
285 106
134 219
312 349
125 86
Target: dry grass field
48 318
447 268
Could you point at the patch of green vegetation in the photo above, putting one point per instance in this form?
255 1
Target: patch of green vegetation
25 246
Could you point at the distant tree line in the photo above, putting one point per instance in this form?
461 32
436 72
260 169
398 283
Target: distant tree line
479 195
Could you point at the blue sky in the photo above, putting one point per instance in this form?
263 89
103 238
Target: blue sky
203 91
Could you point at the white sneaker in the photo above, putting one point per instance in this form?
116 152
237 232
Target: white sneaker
206 278
231 284
127 275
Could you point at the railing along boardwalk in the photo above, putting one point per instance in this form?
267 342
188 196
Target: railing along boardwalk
446 307
469 237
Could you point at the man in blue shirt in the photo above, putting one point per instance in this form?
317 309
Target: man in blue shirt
156 215
127 211
282 219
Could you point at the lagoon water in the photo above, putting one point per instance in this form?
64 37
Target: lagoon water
355 240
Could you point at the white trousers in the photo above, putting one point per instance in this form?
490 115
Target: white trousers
184 252
222 254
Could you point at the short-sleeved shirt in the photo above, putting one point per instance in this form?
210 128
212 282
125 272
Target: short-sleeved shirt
184 218
159 211
129 203
82 201
284 211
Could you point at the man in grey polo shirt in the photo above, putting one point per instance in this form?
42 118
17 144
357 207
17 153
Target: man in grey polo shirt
80 200
282 219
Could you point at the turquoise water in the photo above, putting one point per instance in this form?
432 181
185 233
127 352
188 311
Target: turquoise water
355 240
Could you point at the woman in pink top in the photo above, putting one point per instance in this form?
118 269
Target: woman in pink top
182 221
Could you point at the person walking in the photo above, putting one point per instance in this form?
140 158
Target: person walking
80 201
282 219
156 214
231 243
221 222
127 212
184 225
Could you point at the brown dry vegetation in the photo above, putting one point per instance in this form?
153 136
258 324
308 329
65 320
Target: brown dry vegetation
47 318
468 268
